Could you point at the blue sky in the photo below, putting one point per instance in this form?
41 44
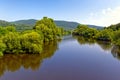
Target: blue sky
82 11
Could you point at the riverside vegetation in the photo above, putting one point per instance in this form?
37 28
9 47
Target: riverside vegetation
109 34
29 41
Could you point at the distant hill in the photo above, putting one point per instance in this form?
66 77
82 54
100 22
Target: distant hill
30 23
64 24
73 25
19 27
97 27
5 23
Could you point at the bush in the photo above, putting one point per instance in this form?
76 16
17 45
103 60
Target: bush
32 42
12 42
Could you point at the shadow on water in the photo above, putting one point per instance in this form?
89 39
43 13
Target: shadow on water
12 63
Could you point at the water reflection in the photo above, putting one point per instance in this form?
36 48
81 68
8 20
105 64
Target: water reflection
84 41
10 62
116 52
106 46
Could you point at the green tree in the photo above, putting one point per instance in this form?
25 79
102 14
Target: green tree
104 35
12 41
11 29
84 30
32 42
116 37
48 28
2 47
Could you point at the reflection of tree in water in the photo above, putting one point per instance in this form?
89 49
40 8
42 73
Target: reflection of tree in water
83 40
104 45
12 62
116 52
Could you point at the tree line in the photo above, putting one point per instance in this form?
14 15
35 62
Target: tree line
111 33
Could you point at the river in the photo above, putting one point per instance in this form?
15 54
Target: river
73 58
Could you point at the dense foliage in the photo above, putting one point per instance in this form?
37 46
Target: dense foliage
111 33
29 41
114 27
48 28
84 30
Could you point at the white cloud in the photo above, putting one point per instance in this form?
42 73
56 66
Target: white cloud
104 18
